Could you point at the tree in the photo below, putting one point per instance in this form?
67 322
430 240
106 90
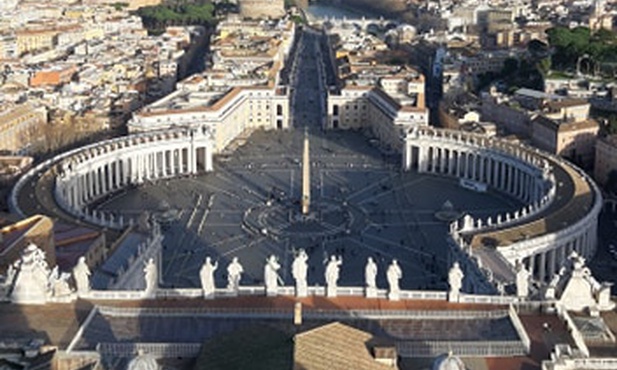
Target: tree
544 66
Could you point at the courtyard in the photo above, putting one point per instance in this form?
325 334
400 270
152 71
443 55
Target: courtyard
362 205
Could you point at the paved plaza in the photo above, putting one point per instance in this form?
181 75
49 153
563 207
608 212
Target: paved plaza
361 205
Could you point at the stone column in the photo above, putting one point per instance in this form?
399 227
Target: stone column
120 172
558 258
110 175
181 160
452 165
208 158
407 154
84 188
97 183
422 160
502 177
481 172
157 163
80 195
135 168
192 163
551 263
542 267
444 161
459 164
524 185
150 167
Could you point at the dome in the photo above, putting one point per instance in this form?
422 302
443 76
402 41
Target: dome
448 362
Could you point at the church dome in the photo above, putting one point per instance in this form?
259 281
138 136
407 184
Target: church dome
448 362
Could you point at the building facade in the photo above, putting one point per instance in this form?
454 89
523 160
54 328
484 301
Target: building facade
21 126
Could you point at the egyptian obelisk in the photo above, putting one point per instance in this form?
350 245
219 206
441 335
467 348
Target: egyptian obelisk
306 176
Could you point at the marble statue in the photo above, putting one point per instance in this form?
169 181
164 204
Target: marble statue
455 280
59 283
206 276
81 275
10 276
31 283
234 274
581 291
299 269
151 277
332 275
522 280
143 362
370 276
271 276
394 274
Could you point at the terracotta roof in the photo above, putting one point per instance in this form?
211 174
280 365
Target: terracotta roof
579 125
334 346
558 104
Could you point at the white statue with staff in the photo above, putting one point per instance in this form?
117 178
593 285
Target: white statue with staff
299 269
206 276
332 275
271 276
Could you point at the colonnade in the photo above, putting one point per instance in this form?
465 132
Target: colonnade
97 171
521 172
545 262
453 156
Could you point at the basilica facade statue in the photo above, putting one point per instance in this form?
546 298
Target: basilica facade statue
370 278
394 274
271 276
299 269
151 277
455 281
31 282
522 280
332 275
234 275
81 275
206 276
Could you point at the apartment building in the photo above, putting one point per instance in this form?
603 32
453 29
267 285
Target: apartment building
20 126
606 158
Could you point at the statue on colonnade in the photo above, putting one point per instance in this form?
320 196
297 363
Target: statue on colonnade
271 276
234 274
370 278
455 281
299 269
332 275
206 276
394 274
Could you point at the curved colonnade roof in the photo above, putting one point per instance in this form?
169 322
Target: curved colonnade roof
574 199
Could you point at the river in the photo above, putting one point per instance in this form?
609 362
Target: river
317 10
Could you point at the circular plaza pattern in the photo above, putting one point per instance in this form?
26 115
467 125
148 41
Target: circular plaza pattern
362 205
